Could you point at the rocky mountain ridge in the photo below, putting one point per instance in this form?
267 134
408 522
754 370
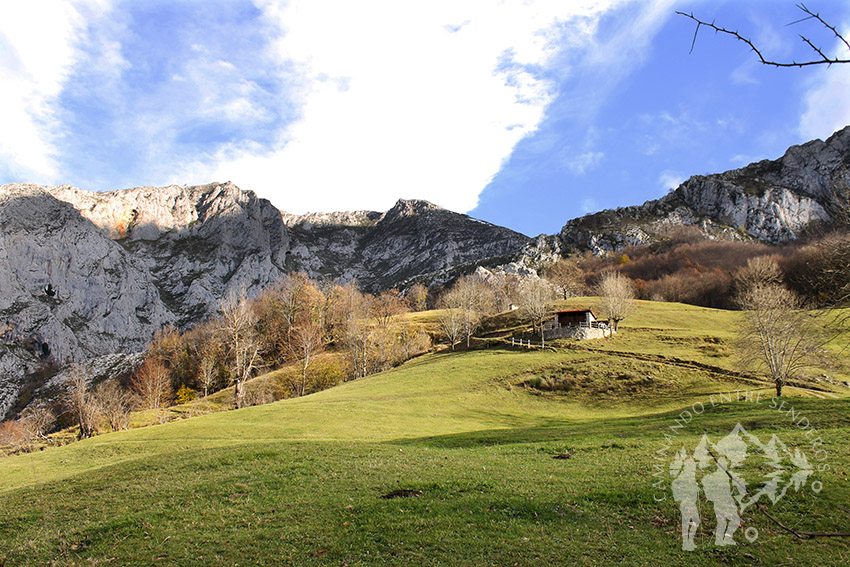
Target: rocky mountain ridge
771 200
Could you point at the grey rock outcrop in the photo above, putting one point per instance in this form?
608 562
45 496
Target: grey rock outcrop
69 292
84 274
197 244
773 201
413 241
120 366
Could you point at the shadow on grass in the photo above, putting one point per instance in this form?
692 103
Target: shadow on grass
766 416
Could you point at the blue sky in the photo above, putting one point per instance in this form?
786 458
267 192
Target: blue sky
524 114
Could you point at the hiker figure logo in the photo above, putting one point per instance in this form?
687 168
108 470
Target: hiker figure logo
714 469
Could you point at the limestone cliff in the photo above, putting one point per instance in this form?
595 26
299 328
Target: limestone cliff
69 292
773 201
86 274
413 241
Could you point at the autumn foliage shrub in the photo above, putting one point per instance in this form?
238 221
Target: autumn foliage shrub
820 270
684 269
185 395
12 437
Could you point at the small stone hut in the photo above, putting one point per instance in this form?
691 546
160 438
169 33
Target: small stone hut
575 323
568 317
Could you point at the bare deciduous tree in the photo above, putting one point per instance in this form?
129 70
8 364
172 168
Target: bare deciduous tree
567 276
207 374
386 306
37 421
81 403
13 436
475 299
370 331
152 384
351 309
821 270
413 341
289 291
306 342
450 317
114 403
171 348
617 293
535 295
417 297
778 336
759 271
821 57
240 337
207 353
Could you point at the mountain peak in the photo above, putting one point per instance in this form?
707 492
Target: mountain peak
770 200
410 207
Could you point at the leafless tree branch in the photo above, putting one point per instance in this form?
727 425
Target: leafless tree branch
823 58
763 509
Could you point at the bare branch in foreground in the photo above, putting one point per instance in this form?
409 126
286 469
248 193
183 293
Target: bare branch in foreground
823 58
763 509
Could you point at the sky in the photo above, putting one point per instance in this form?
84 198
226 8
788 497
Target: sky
522 113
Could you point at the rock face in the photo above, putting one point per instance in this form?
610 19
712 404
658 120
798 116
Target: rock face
68 291
773 201
86 274
413 241
196 244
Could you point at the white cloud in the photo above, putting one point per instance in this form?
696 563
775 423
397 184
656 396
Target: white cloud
744 74
605 61
351 104
582 162
39 45
403 100
37 51
670 179
826 104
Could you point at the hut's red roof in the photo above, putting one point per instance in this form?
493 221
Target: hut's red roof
576 311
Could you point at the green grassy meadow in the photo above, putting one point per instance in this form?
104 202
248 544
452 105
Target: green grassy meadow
299 482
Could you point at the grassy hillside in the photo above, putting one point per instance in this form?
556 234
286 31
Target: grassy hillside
300 481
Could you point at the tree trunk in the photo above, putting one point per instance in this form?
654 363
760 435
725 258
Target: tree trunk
779 384
236 395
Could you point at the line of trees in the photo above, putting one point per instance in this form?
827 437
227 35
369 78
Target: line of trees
293 322
685 267
464 306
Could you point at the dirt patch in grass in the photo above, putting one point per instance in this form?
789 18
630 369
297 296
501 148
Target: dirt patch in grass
402 493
